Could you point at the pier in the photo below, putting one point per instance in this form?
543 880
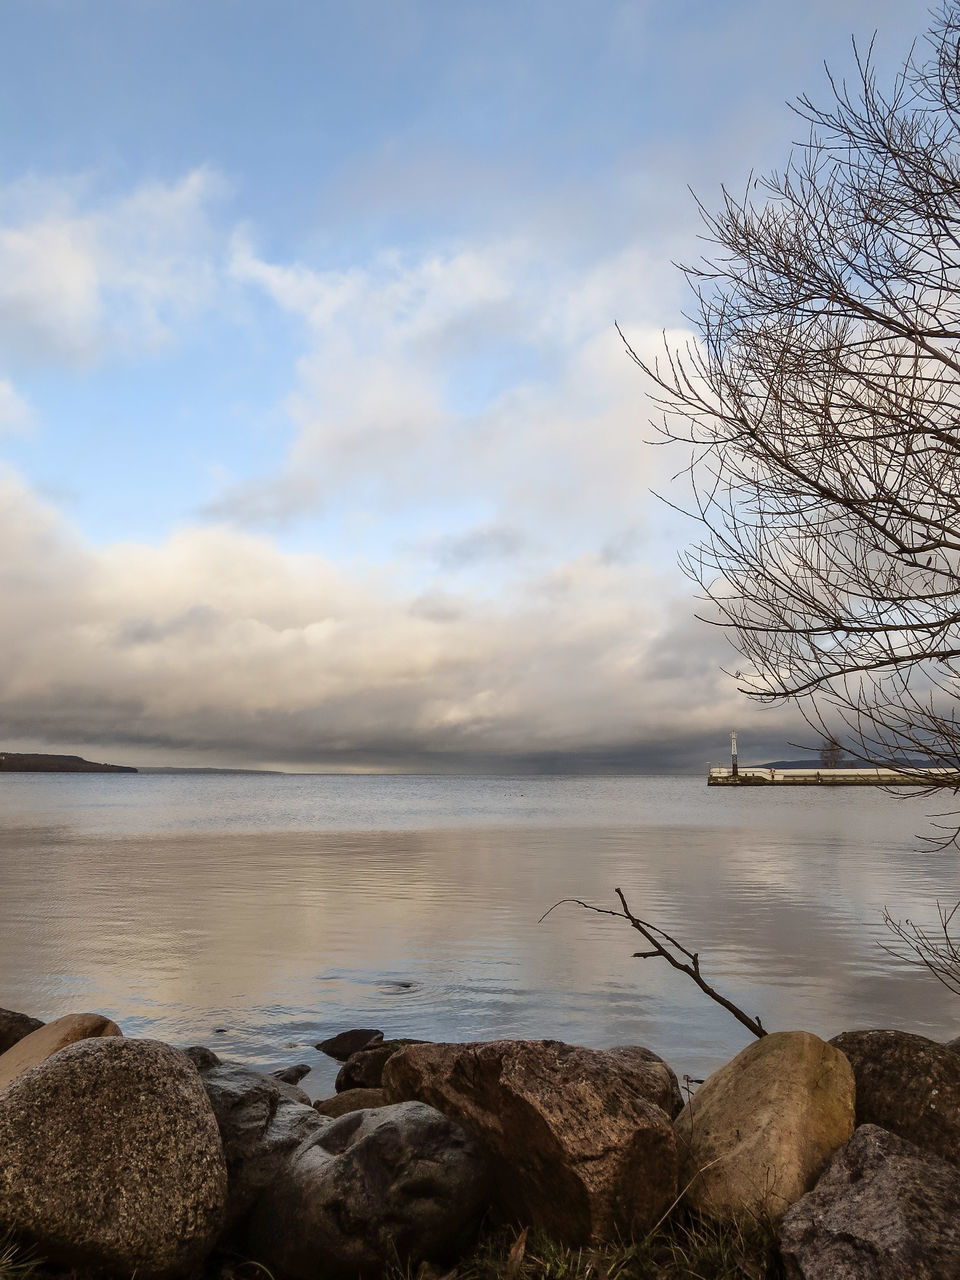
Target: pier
757 776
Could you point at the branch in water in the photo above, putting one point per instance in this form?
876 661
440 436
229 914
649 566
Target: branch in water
667 948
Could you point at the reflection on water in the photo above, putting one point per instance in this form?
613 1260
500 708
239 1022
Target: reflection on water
261 914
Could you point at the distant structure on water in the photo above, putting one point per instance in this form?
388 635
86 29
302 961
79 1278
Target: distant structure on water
772 775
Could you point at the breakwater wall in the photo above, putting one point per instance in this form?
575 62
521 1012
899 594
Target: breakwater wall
758 777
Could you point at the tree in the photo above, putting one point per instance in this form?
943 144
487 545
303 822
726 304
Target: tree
831 753
821 401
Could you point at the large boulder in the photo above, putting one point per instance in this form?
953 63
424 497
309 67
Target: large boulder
909 1085
110 1159
883 1210
14 1026
401 1184
261 1119
758 1133
580 1138
50 1038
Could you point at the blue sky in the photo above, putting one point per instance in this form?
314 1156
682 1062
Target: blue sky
318 445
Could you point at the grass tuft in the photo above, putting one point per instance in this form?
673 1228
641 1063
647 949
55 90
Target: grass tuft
16 1262
686 1248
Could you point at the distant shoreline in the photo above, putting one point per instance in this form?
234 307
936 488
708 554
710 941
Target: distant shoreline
30 762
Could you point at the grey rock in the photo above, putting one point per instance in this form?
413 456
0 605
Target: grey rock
401 1183
341 1046
907 1084
203 1059
261 1121
111 1159
14 1026
882 1210
292 1075
350 1100
364 1069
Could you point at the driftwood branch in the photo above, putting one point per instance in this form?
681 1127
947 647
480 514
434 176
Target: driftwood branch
665 947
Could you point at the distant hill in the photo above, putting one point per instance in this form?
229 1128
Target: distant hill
813 762
173 768
20 762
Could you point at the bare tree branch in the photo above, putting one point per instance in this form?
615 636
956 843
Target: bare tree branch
820 401
666 948
937 952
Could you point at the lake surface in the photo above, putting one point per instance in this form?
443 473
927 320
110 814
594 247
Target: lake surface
259 914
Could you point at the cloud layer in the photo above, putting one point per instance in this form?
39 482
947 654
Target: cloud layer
218 642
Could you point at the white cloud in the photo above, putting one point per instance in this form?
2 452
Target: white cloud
16 414
81 277
216 640
483 380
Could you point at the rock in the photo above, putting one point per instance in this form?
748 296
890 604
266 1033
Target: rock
883 1210
342 1104
47 1039
758 1133
341 1046
658 1082
581 1143
954 1044
401 1184
261 1121
112 1160
292 1075
14 1026
909 1085
203 1059
364 1069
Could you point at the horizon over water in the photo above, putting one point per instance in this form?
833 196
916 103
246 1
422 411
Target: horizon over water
260 913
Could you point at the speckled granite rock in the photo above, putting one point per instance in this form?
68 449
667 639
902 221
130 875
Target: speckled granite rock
909 1085
111 1159
883 1210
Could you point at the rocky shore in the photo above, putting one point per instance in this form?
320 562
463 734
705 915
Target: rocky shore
125 1155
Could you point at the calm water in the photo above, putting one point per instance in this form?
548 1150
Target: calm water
260 914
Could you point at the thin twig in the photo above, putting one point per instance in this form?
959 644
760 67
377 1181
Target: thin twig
661 943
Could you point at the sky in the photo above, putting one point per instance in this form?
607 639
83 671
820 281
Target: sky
319 448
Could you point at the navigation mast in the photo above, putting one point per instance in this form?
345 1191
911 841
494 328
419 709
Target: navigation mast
733 753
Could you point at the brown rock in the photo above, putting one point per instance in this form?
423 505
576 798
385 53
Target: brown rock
111 1160
340 1047
48 1039
758 1133
580 1140
14 1026
909 1085
364 1069
342 1104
